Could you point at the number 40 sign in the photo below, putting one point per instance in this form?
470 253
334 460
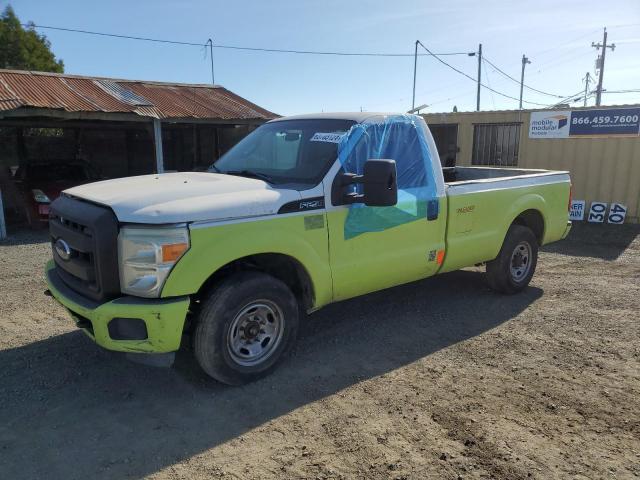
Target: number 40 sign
617 213
598 211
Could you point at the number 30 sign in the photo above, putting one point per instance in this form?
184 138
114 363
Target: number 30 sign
597 212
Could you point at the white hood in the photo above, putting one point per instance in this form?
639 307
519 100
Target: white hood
185 197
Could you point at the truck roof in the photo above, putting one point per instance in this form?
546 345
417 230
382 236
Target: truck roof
357 117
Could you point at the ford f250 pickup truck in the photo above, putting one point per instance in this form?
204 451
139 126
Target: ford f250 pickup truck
304 211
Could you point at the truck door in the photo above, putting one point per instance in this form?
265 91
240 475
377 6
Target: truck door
371 248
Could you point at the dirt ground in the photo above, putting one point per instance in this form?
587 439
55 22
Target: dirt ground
437 379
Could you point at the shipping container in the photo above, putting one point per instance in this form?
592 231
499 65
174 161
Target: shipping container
600 146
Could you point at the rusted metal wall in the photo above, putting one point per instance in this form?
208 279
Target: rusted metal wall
605 169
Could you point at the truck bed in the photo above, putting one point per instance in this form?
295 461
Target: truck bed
460 175
482 202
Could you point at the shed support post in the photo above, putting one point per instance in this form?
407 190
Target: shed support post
157 135
3 228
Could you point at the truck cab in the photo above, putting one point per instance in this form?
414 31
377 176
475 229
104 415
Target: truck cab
304 211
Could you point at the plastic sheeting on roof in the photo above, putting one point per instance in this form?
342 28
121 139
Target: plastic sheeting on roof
398 138
123 94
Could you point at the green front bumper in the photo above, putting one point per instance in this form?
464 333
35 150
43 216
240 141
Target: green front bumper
164 318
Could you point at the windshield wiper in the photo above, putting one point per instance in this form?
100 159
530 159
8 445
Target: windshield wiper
250 174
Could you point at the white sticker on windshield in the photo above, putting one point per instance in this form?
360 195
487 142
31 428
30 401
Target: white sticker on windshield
328 137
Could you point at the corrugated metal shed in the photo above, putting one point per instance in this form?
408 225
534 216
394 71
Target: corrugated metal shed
20 90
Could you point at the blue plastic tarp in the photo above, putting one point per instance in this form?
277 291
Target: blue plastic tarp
400 138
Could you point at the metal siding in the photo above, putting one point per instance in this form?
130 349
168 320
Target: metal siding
602 168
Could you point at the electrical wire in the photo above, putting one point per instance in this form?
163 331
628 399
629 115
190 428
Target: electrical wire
475 80
337 53
622 91
562 59
128 37
237 47
568 99
540 53
485 59
493 100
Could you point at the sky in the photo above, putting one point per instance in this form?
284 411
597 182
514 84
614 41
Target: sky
555 35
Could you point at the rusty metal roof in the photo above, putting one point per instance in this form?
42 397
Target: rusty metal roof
20 90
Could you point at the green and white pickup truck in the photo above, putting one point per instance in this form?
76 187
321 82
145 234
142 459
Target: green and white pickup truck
303 212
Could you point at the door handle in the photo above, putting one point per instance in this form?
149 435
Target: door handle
433 209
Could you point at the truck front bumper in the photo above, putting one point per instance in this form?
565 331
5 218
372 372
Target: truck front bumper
126 324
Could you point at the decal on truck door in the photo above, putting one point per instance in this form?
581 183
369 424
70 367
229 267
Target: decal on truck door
312 222
315 203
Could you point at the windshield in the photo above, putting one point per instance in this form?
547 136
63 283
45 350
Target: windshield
289 151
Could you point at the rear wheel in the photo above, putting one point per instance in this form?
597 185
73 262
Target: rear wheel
245 326
515 265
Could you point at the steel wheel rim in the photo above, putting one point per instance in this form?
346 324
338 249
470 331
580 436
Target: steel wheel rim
521 261
255 333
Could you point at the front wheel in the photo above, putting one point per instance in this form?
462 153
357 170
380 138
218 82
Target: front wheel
244 327
514 266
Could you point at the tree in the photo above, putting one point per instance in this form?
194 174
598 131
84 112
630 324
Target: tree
23 48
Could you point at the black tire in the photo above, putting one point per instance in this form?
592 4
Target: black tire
500 274
216 351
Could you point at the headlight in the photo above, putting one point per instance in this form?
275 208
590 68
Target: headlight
146 256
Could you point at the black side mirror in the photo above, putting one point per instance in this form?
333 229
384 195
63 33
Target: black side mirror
380 185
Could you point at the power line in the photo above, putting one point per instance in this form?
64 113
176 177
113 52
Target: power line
347 54
237 47
622 91
128 37
493 100
421 92
569 99
625 25
476 80
554 64
518 81
569 42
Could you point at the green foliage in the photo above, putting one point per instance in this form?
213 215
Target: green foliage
23 48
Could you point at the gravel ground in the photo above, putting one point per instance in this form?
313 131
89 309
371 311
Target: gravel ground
437 379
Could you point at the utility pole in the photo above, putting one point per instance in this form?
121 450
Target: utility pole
415 66
587 80
525 60
600 63
479 76
210 44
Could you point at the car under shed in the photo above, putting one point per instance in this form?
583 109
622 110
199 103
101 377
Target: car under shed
116 127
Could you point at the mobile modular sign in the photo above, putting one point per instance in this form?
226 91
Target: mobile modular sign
585 123
549 124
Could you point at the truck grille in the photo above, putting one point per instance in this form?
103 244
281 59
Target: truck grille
90 233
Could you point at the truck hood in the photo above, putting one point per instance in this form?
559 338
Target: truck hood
185 197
